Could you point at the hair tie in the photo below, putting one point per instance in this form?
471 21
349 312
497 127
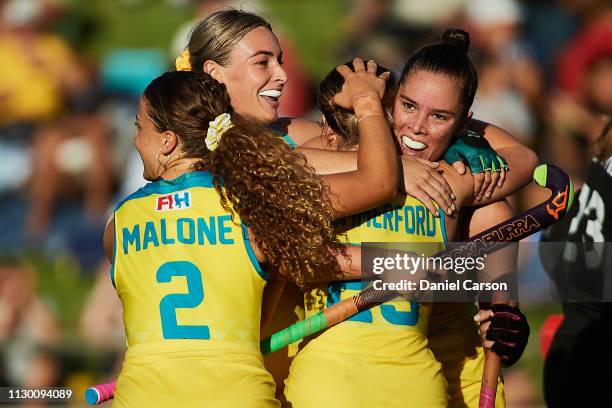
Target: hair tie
183 61
216 129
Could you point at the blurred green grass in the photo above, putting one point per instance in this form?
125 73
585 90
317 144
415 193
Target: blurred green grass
315 28
63 286
109 24
98 26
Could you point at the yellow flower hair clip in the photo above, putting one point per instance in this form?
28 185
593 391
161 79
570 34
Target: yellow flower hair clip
183 62
216 129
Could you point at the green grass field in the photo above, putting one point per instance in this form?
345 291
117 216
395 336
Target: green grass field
98 26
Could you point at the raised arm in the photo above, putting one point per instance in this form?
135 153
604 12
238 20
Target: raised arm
375 180
327 162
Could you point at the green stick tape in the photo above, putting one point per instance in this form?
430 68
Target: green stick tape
293 333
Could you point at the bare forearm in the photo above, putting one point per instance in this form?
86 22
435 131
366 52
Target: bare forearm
329 161
377 155
376 179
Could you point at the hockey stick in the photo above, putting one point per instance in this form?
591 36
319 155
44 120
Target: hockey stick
512 230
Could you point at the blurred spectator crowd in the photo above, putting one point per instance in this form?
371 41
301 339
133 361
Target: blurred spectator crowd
66 128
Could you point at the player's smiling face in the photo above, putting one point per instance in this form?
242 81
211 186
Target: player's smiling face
254 76
426 113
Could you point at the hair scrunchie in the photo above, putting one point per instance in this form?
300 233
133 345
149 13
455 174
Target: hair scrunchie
183 62
216 129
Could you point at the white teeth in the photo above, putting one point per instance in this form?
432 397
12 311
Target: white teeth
272 93
413 144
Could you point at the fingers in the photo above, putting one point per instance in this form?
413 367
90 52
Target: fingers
494 165
433 165
485 184
502 171
459 166
360 83
423 181
442 200
487 166
479 179
494 181
487 162
371 65
447 188
439 177
359 66
502 178
484 327
344 70
429 204
437 190
482 330
385 76
483 314
503 163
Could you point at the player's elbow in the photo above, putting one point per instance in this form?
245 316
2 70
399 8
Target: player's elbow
386 186
530 159
388 178
393 179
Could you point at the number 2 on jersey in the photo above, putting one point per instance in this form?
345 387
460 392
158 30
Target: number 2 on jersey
169 303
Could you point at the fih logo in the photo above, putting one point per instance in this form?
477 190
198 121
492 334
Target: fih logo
560 202
175 201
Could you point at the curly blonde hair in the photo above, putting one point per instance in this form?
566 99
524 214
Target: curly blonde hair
257 175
